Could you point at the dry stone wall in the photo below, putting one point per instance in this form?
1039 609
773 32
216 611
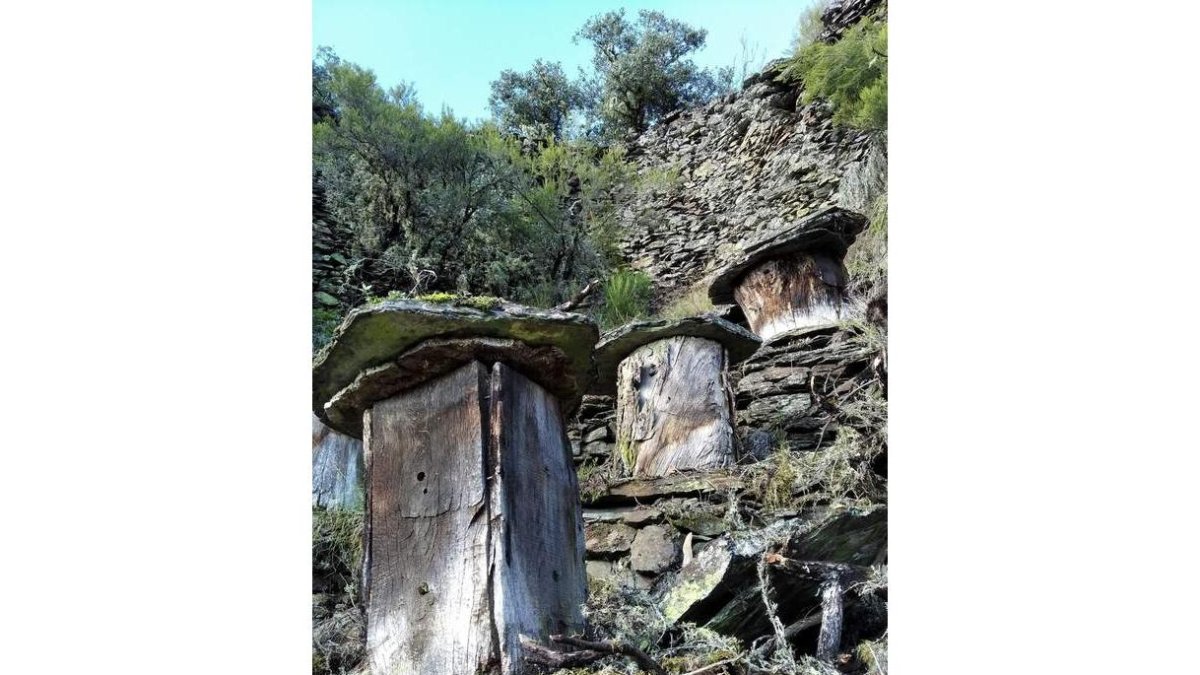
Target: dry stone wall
749 163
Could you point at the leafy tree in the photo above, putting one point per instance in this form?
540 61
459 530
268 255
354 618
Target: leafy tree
850 73
536 103
643 70
322 99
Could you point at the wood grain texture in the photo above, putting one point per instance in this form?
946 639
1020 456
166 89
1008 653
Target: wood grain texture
796 291
674 407
537 528
427 583
337 468
829 640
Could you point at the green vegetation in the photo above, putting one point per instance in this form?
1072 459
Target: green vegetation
777 493
642 70
439 297
866 260
430 203
324 322
626 298
693 302
537 103
337 547
809 27
850 73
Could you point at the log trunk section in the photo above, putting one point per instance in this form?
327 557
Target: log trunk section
336 468
537 525
674 407
796 291
474 531
427 584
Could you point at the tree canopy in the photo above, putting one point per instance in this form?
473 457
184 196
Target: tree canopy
643 69
432 203
536 103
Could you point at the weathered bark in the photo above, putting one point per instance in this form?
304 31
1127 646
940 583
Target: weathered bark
795 291
336 468
474 534
674 407
537 527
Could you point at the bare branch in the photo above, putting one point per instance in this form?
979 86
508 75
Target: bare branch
612 647
580 297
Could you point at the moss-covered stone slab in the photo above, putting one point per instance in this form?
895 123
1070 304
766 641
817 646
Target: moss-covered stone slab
830 231
699 582
619 343
374 335
546 365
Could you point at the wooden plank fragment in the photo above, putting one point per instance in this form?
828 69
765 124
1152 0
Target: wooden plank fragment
674 407
540 580
427 599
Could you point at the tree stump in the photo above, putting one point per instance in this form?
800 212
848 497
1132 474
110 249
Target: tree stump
474 536
674 402
792 278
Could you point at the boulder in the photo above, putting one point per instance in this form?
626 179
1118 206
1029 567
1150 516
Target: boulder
654 550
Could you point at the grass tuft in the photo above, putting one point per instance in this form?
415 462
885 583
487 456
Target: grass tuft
693 302
626 298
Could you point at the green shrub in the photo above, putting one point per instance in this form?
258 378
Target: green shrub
324 322
626 298
850 73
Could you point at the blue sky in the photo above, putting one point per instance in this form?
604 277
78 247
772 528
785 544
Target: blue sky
452 49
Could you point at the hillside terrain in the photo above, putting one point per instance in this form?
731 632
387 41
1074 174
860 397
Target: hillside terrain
775 563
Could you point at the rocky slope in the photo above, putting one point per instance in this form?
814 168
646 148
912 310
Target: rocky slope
749 163
752 551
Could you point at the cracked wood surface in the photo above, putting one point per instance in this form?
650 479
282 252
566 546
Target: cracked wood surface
674 407
797 291
474 530
427 597
537 535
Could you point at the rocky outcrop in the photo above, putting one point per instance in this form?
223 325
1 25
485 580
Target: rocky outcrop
841 14
329 247
789 385
746 164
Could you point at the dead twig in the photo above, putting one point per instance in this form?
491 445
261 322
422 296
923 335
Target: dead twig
613 647
592 651
580 297
712 666
544 656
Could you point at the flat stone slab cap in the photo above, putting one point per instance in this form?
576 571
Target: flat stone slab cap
375 335
618 343
434 357
830 231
